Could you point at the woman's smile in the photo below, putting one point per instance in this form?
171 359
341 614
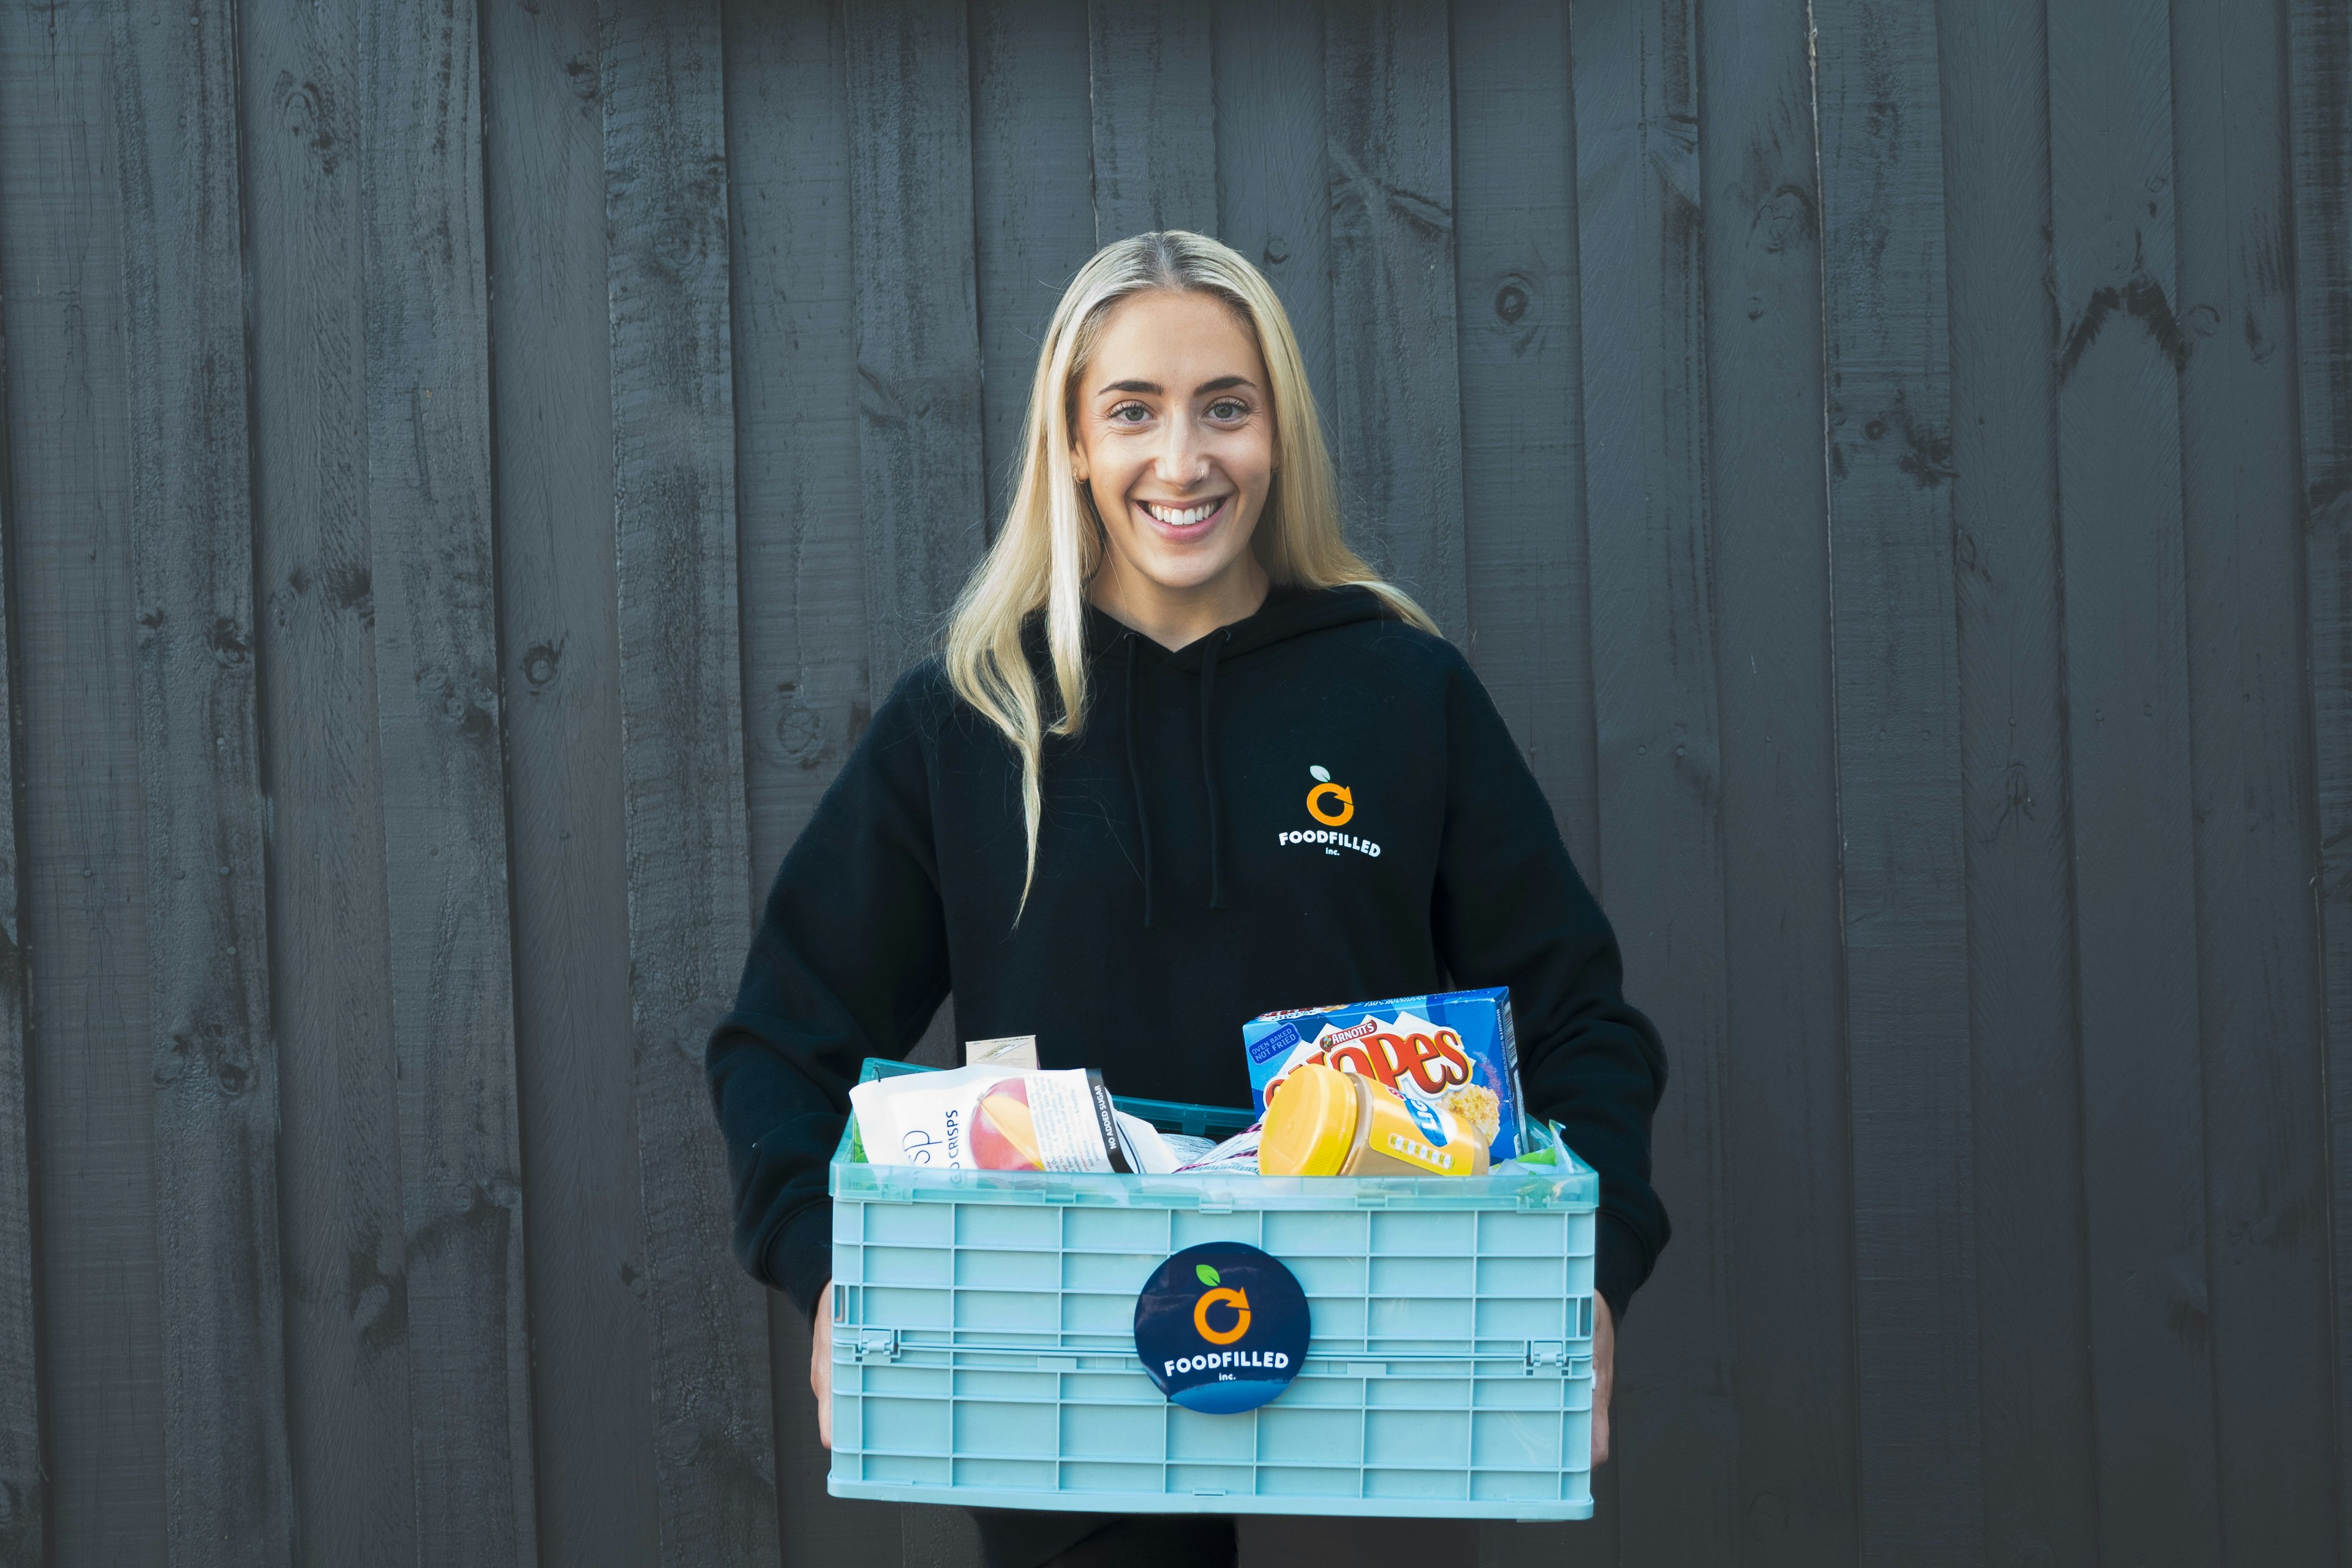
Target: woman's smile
1185 519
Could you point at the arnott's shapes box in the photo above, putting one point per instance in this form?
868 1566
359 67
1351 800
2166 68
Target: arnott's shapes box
986 1349
1456 1048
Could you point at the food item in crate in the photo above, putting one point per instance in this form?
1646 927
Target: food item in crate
1326 1123
1236 1156
1457 1050
982 1117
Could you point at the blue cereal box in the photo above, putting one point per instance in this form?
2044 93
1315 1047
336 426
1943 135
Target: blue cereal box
1457 1050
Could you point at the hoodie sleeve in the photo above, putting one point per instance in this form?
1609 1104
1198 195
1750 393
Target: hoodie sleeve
850 962
1510 910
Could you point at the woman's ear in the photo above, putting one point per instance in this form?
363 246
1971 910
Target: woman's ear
1078 469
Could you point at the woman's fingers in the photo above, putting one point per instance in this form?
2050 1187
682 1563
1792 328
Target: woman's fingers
821 1365
1604 1376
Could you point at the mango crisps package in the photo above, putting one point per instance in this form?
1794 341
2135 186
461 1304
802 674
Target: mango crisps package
1458 1050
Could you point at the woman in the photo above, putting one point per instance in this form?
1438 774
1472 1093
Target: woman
1083 815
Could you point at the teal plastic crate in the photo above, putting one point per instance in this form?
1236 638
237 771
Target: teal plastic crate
983 1349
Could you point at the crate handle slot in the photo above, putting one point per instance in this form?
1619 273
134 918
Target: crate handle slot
883 1343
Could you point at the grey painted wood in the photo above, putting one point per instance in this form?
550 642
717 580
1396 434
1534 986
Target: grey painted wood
1033 203
1785 1127
1155 131
551 410
1640 263
23 1490
1395 427
2118 410
1522 396
1899 782
85 930
2257 941
437 709
682 757
339 1151
2319 120
2034 1388
919 444
227 1490
1273 187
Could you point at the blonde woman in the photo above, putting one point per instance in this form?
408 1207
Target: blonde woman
1185 758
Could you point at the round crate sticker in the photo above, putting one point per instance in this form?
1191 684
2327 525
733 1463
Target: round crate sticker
1221 1328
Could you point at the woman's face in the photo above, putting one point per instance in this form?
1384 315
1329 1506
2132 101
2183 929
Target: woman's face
1174 439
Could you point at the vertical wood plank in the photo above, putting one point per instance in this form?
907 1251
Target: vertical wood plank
1155 133
1032 202
2257 940
920 440
1641 265
2040 1495
227 1492
2119 356
1273 202
551 408
682 758
804 645
85 885
438 701
1899 780
2319 123
1786 1149
339 1152
1396 402
1522 396
23 1490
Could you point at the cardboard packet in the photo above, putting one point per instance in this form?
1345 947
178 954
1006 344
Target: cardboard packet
1456 1049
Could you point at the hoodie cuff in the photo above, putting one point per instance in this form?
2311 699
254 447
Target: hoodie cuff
1619 1265
800 1256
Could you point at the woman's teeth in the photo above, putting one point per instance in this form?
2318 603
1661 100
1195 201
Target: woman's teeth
1184 516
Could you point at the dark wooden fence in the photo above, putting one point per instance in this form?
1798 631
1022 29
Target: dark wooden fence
470 472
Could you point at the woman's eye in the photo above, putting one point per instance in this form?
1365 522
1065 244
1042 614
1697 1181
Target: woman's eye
1130 414
1226 408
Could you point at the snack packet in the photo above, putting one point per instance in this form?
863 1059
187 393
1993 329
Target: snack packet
1457 1050
983 1118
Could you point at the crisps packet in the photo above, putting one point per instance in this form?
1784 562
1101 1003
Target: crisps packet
1457 1050
983 1118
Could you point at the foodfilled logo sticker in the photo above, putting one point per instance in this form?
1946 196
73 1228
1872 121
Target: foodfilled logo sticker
1221 1328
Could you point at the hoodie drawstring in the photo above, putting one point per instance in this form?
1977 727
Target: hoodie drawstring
1209 766
1135 779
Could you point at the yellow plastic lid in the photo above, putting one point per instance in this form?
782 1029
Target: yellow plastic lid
1310 1123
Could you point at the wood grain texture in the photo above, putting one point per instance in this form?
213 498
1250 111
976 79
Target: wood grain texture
23 1490
1395 425
2257 941
84 886
227 1490
1274 200
1785 1126
2034 1388
1900 781
339 1152
437 709
2118 408
551 409
1033 203
2319 120
919 441
1530 636
1155 131
682 756
1640 263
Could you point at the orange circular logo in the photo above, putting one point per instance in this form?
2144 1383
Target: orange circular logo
1346 808
1241 1322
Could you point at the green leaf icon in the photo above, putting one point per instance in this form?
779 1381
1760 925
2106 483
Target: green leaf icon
1208 1275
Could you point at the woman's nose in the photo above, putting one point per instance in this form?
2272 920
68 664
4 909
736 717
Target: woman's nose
1181 461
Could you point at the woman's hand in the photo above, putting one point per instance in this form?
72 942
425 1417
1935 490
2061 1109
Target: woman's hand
1604 1376
820 1364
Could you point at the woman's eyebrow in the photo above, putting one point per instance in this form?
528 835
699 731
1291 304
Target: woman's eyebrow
1153 389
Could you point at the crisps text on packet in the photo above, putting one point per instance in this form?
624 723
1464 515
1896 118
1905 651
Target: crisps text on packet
1454 1048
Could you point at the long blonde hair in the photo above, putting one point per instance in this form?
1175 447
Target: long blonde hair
1051 541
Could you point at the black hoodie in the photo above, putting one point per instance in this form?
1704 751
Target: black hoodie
1181 887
